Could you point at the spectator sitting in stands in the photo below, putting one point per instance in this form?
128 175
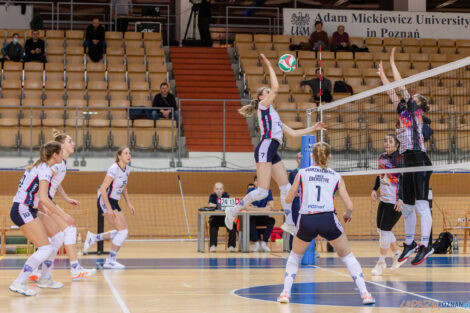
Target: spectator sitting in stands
266 204
94 40
34 49
167 100
319 37
340 40
315 86
219 220
13 51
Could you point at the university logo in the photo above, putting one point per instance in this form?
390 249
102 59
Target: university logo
300 24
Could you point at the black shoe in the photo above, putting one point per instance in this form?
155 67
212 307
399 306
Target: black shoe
423 253
407 251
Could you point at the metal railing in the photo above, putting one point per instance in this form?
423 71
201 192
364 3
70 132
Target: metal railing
71 4
34 2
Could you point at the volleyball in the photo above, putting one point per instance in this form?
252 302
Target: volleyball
287 63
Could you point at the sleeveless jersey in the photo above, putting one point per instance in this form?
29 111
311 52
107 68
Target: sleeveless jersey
119 181
59 170
389 182
269 123
29 185
318 189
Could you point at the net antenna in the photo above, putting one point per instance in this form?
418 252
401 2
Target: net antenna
184 207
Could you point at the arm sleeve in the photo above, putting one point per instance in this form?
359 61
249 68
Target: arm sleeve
45 174
172 101
325 37
328 84
112 171
335 40
42 47
213 198
376 183
27 46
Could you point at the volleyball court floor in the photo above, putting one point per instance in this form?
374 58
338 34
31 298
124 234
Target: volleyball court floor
173 277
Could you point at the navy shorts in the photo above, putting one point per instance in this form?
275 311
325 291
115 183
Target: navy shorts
324 224
266 151
114 205
21 214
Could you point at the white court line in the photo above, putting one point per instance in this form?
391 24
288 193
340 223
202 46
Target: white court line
121 302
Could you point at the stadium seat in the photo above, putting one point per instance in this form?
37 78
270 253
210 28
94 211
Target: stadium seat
139 90
118 90
166 133
390 43
137 73
114 55
154 52
281 42
119 109
135 56
374 44
152 37
410 45
75 71
133 39
55 54
55 38
11 88
54 90
144 134
33 71
29 34
97 90
344 59
20 32
33 89
74 38
446 46
119 132
116 72
358 41
420 61
12 70
54 71
31 121
75 89
364 60
74 55
438 59
95 72
53 117
113 39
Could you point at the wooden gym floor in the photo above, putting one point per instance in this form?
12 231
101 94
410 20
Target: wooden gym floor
173 277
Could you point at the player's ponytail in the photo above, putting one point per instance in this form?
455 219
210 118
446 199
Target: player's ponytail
251 108
423 102
59 136
321 153
119 152
46 152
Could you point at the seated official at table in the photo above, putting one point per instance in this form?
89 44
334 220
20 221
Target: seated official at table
216 221
266 204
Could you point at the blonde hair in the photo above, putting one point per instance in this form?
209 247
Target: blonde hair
218 184
45 153
321 153
59 136
119 152
251 108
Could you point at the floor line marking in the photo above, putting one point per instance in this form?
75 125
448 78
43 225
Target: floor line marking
118 298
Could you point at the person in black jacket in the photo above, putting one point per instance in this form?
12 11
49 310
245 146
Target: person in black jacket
94 40
13 51
165 99
34 49
216 221
204 20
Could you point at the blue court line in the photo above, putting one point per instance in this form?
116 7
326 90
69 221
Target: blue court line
236 263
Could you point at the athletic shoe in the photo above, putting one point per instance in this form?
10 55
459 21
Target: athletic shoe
288 228
264 247
212 249
22 289
396 264
367 298
49 283
256 247
231 249
88 242
283 297
229 218
407 251
113 265
378 269
81 273
34 275
423 253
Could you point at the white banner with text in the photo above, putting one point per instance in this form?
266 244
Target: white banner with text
384 24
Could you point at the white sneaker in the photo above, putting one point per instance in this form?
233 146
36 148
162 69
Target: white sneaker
113 265
378 269
367 298
212 249
49 283
89 241
256 247
229 218
283 297
22 289
289 228
81 273
231 249
264 247
397 264
35 275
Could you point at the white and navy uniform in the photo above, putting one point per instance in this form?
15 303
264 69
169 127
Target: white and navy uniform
317 215
26 200
59 171
114 190
271 135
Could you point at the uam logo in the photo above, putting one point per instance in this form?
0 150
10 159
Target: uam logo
300 24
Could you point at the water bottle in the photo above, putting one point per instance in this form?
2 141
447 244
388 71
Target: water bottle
456 245
79 244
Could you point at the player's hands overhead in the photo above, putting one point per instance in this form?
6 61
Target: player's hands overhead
265 59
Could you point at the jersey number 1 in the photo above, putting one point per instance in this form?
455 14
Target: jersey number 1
318 192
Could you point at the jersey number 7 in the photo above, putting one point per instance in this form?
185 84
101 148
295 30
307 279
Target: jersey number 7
318 192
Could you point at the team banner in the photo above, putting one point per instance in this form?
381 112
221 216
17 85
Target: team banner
387 24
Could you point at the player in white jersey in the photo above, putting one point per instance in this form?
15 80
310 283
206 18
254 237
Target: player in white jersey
114 184
317 216
268 162
33 194
388 211
69 229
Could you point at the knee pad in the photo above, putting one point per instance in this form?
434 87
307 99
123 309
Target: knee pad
42 253
385 239
284 189
70 235
407 210
120 237
423 209
260 194
57 240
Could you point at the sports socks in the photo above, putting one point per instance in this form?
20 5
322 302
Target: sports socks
292 267
410 222
287 207
56 242
355 271
424 212
39 256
